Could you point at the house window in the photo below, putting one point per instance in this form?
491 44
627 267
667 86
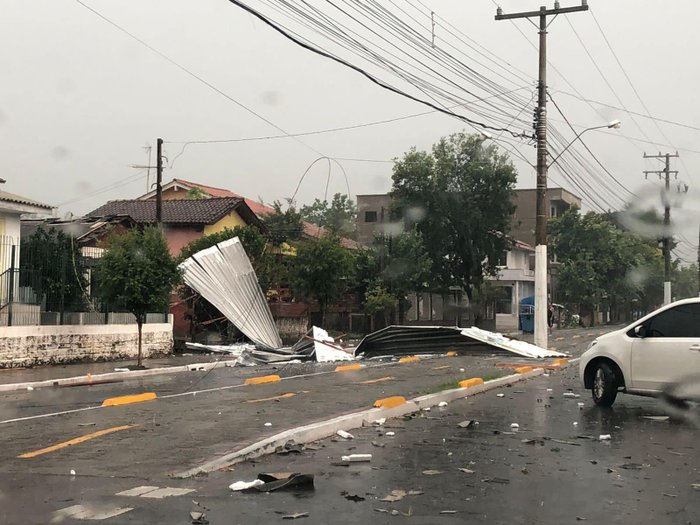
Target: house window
502 259
370 216
504 305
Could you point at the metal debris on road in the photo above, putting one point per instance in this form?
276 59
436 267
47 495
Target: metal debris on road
465 424
604 437
431 472
466 470
345 435
356 458
244 485
502 481
295 516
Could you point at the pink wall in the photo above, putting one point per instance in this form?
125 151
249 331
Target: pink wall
178 238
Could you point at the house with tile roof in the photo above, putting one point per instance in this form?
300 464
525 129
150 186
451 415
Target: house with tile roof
179 189
12 208
184 220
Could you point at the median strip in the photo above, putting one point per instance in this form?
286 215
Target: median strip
127 400
76 441
468 383
348 368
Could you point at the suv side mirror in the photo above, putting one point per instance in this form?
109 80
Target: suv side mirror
640 331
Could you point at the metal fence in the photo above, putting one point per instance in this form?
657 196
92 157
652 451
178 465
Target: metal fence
48 280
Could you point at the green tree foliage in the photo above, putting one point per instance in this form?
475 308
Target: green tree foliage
685 282
339 217
197 193
459 196
602 264
322 270
138 273
378 301
284 225
51 265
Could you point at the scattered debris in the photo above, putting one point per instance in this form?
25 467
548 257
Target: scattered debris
466 470
514 425
581 405
502 481
580 518
345 435
656 418
352 497
571 395
377 444
268 424
631 466
295 516
29 387
394 495
391 433
198 518
72 472
430 472
405 340
500 395
290 447
244 485
442 404
356 458
119 369
283 480
448 512
605 437
465 424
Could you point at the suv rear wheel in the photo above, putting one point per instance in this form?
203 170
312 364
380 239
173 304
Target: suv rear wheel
604 385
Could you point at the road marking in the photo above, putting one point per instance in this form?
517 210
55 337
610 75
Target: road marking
262 380
524 369
127 400
274 398
88 512
468 383
75 441
372 381
347 368
390 402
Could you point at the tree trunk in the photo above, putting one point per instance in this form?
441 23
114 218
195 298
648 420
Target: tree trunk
139 324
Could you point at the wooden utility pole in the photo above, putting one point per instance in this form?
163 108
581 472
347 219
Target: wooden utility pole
666 240
159 182
541 329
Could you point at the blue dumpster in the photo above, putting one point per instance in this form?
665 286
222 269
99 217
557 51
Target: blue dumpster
526 315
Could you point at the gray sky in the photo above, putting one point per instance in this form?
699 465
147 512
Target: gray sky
79 99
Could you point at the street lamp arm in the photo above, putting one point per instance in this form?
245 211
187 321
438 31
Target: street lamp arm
614 125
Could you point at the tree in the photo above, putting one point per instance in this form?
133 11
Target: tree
138 273
322 269
601 263
51 264
339 217
459 197
686 281
284 225
377 300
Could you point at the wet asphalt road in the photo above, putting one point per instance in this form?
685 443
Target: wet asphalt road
549 471
177 433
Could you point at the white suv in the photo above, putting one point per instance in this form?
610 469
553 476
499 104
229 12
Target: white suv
643 358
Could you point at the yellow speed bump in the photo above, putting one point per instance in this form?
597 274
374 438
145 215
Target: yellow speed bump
411 359
347 368
451 353
468 383
390 402
262 379
127 400
523 369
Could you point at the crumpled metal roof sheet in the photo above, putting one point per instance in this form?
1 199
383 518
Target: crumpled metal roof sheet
407 340
224 276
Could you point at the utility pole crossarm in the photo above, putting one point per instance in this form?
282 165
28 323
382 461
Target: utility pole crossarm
545 12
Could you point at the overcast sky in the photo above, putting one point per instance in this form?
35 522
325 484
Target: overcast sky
80 100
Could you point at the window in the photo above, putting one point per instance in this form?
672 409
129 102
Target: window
681 321
370 216
504 305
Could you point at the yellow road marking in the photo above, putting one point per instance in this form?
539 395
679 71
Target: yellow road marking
372 381
390 402
262 379
76 441
275 398
347 368
411 359
468 383
452 353
523 369
126 400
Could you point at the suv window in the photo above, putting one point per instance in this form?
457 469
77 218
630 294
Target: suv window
681 321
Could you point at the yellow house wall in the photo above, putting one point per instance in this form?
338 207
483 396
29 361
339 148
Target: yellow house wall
229 221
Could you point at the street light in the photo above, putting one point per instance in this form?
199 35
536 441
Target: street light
613 124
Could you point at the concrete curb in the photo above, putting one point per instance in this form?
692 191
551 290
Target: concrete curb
324 429
11 387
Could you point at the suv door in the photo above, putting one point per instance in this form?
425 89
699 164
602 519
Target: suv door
669 348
